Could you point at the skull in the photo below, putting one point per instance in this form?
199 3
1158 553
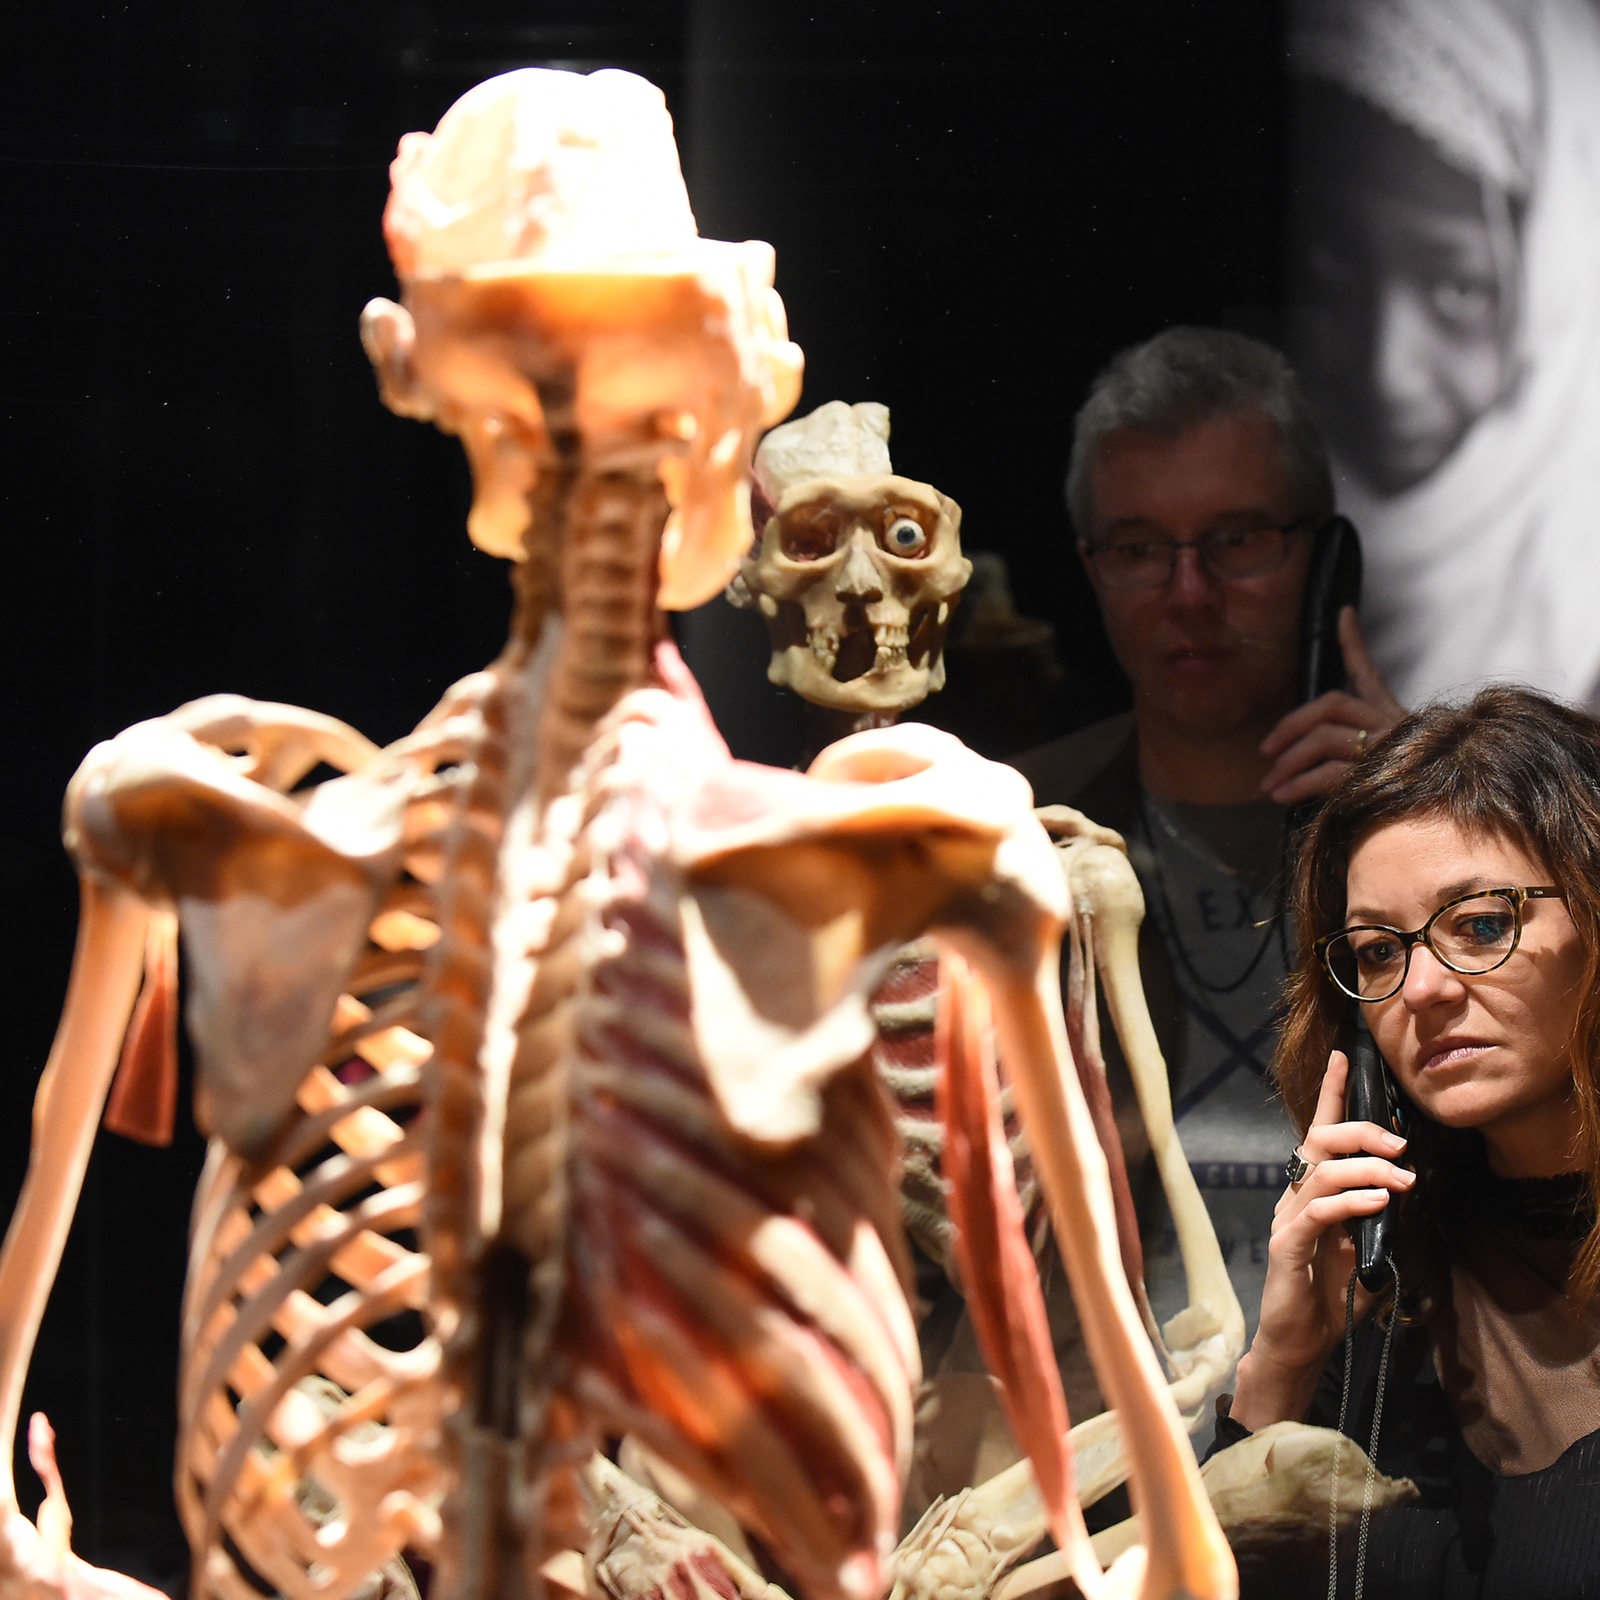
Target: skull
546 249
857 578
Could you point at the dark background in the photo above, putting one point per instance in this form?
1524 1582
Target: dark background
973 204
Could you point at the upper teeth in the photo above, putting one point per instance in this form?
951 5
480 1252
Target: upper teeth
889 641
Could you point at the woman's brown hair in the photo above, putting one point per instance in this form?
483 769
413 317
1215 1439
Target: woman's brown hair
1510 764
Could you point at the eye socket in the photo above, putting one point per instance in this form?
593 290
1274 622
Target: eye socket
905 536
806 538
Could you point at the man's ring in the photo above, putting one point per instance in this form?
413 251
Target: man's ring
1296 1167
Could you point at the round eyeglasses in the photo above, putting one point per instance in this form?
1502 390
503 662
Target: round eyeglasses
1471 935
1127 561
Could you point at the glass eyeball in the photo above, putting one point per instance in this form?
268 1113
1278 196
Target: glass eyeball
905 536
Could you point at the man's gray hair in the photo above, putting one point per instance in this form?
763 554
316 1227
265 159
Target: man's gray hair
1182 378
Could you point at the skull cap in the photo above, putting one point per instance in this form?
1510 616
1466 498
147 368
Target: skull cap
556 170
836 440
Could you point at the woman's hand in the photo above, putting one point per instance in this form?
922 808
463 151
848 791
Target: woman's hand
1310 1257
1312 747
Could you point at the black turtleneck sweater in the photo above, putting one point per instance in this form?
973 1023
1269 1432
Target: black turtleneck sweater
1491 1406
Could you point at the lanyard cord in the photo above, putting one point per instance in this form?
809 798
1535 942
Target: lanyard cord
1167 919
1372 1445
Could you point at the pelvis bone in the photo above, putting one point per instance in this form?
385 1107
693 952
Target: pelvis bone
533 1048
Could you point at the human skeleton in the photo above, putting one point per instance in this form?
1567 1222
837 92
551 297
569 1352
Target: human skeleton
532 1049
852 561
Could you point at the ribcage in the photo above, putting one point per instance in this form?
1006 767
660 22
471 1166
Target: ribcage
738 1307
903 1007
309 1398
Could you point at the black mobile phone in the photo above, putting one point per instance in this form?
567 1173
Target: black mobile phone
1371 1095
1333 581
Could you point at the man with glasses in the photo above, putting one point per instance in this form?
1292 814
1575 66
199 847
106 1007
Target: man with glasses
1197 486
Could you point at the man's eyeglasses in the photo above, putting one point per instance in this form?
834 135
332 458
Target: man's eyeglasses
1470 935
1125 562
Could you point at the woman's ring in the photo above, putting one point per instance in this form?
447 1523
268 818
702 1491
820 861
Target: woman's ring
1361 740
1296 1167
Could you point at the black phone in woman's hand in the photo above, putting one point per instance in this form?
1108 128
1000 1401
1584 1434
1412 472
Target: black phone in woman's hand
1370 1095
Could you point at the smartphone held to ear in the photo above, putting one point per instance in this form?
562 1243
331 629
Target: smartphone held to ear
1333 581
1370 1095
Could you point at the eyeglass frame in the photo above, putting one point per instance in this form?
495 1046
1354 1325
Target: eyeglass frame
1422 936
1310 523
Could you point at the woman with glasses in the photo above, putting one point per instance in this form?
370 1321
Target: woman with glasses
1448 895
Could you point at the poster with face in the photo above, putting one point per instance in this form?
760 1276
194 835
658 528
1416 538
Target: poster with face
1446 318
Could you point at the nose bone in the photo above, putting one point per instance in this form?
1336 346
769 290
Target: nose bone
858 577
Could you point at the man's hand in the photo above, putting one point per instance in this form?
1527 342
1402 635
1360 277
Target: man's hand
1314 745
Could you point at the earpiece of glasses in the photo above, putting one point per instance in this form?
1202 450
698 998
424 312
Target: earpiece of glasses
1472 934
